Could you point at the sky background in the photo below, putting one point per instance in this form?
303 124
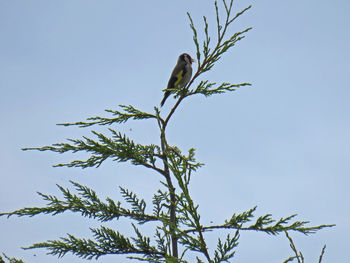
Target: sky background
282 144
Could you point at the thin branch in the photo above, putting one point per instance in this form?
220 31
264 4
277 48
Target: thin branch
153 167
304 230
298 255
204 246
322 253
121 117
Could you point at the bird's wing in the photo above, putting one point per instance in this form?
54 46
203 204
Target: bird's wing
179 77
174 80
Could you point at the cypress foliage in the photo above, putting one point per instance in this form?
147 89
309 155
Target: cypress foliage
179 229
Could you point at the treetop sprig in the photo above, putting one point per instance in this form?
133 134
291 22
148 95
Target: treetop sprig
211 56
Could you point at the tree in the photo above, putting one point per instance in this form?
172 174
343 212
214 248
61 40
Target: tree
179 229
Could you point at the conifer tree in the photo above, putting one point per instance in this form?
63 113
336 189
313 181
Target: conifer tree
179 229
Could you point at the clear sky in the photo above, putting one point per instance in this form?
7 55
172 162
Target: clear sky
282 144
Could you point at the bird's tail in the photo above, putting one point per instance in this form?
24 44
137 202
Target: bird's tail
166 95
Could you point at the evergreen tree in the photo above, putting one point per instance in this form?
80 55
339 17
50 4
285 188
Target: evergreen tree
179 230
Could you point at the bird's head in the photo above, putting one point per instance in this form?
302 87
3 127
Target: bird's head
187 58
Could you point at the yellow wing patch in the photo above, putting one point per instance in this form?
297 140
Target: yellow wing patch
179 78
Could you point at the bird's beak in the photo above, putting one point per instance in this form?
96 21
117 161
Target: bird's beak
193 60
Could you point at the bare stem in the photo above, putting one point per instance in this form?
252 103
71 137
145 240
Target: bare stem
322 253
172 205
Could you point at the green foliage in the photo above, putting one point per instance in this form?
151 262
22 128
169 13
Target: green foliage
107 241
212 55
189 229
89 205
223 252
118 148
10 260
127 113
298 255
179 229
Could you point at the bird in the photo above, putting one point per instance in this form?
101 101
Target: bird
180 76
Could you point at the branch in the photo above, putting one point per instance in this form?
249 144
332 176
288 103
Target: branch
224 250
107 241
120 148
89 205
322 253
206 89
264 224
129 112
10 260
298 255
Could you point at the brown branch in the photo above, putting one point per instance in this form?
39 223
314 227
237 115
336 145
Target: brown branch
203 245
162 172
172 206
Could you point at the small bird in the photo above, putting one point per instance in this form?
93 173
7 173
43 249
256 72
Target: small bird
180 76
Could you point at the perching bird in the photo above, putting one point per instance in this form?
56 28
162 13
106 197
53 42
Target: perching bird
180 76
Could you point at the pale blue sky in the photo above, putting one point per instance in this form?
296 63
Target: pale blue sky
282 144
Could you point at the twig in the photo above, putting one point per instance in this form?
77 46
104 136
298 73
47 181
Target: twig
298 255
322 253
